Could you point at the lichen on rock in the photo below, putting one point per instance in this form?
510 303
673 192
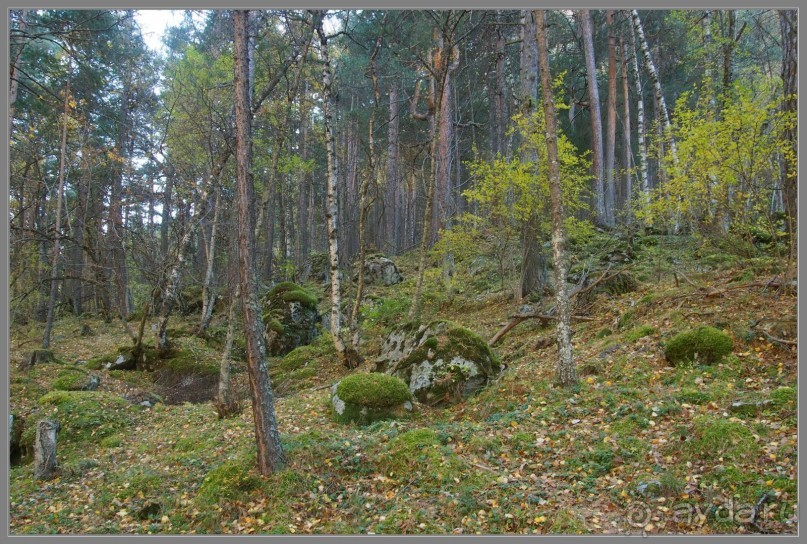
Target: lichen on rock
291 317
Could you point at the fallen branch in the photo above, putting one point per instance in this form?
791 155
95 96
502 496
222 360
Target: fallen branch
518 318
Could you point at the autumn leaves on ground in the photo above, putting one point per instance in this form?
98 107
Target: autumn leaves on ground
638 446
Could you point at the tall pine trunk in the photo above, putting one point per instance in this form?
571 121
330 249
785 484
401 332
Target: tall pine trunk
628 200
270 451
644 177
566 371
789 27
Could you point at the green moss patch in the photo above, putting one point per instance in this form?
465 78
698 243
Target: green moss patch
705 345
638 332
420 454
231 480
718 437
367 397
86 416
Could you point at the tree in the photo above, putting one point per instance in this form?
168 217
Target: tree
788 25
566 371
270 451
347 354
610 140
596 118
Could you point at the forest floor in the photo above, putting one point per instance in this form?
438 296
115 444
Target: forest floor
637 447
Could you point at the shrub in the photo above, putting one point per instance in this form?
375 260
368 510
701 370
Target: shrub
704 344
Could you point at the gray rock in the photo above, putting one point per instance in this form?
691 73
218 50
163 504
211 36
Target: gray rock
650 488
440 362
748 408
382 270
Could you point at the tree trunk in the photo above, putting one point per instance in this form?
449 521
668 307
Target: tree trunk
628 200
54 263
596 118
533 259
45 465
729 41
347 354
651 71
789 27
305 190
610 139
270 451
208 292
226 402
566 371
392 190
644 178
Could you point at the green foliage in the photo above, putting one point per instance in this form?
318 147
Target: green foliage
419 453
726 161
301 296
373 389
705 345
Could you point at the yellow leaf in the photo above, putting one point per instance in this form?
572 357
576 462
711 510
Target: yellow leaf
540 519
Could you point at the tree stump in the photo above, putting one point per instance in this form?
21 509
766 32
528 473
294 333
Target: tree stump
38 356
45 465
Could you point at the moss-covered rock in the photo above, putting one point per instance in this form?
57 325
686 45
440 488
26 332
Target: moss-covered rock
76 379
441 362
420 454
705 345
290 316
367 397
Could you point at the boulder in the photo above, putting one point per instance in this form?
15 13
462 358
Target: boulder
441 362
379 269
76 379
367 397
704 345
291 318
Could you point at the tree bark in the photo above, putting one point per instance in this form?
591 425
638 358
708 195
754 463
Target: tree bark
596 118
267 436
628 200
347 355
566 371
208 292
226 402
610 139
789 27
644 178
45 464
392 189
57 238
533 258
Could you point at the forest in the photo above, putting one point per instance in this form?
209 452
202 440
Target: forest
403 272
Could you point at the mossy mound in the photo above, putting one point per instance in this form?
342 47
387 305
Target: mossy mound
75 379
290 316
442 362
85 416
231 480
367 397
420 453
303 367
705 345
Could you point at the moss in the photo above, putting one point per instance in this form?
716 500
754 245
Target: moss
273 324
419 454
715 437
70 379
693 396
373 390
282 287
87 416
187 362
301 296
784 395
638 332
704 345
231 480
112 441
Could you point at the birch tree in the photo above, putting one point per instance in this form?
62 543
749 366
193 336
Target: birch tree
566 372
